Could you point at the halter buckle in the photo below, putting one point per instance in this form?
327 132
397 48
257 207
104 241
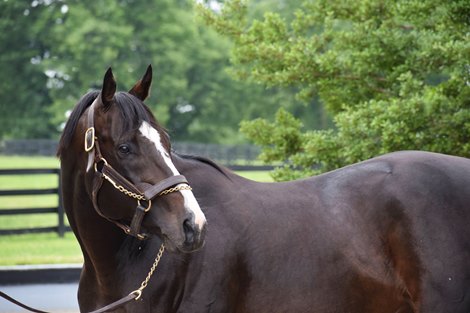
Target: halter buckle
89 139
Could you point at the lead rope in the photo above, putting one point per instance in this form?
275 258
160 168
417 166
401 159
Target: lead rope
134 295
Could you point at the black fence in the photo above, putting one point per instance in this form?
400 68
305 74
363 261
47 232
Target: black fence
61 227
223 154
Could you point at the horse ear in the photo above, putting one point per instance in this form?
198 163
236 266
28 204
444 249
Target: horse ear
109 88
141 89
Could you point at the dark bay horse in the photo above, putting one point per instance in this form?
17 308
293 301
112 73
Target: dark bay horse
388 235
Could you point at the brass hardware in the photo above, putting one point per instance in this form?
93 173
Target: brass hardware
177 188
149 204
96 164
89 139
122 189
138 294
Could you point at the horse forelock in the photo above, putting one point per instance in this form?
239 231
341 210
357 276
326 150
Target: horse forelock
133 112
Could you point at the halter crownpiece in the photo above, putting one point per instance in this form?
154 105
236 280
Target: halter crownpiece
104 171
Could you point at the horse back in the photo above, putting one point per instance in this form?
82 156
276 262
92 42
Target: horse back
386 235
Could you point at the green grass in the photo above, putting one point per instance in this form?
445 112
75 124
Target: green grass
43 248
28 162
39 249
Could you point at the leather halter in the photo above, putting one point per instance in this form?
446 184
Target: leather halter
104 171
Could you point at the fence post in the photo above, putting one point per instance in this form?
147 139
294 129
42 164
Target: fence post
60 209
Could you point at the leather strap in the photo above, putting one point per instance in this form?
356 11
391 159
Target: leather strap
171 181
137 222
90 136
95 157
109 307
97 183
116 304
18 303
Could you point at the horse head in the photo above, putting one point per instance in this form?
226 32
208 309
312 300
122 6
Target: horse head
130 173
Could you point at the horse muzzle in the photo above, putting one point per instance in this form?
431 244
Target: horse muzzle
180 233
194 236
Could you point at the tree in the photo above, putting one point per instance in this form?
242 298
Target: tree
24 100
55 51
193 95
395 75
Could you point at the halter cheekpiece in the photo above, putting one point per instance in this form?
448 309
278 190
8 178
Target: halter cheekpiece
104 171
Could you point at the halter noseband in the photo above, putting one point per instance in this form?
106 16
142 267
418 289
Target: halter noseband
104 171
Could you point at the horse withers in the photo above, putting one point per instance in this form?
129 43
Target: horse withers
387 235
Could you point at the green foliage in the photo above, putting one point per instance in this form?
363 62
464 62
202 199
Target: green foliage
52 52
23 98
395 75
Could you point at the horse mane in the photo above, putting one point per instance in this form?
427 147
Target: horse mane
132 111
72 122
203 160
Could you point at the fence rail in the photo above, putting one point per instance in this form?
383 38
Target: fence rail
224 154
61 228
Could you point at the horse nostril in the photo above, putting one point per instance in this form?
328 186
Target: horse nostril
188 231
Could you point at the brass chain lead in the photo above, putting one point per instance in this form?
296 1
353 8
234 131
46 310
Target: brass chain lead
144 284
177 188
124 190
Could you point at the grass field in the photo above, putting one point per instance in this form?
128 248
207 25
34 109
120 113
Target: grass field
43 248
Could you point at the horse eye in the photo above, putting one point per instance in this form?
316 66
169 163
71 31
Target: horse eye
124 149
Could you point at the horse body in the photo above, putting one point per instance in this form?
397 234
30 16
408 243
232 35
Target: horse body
388 235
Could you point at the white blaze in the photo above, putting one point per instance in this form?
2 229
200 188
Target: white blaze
190 202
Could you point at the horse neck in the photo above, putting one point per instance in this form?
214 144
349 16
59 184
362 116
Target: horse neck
99 239
206 179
